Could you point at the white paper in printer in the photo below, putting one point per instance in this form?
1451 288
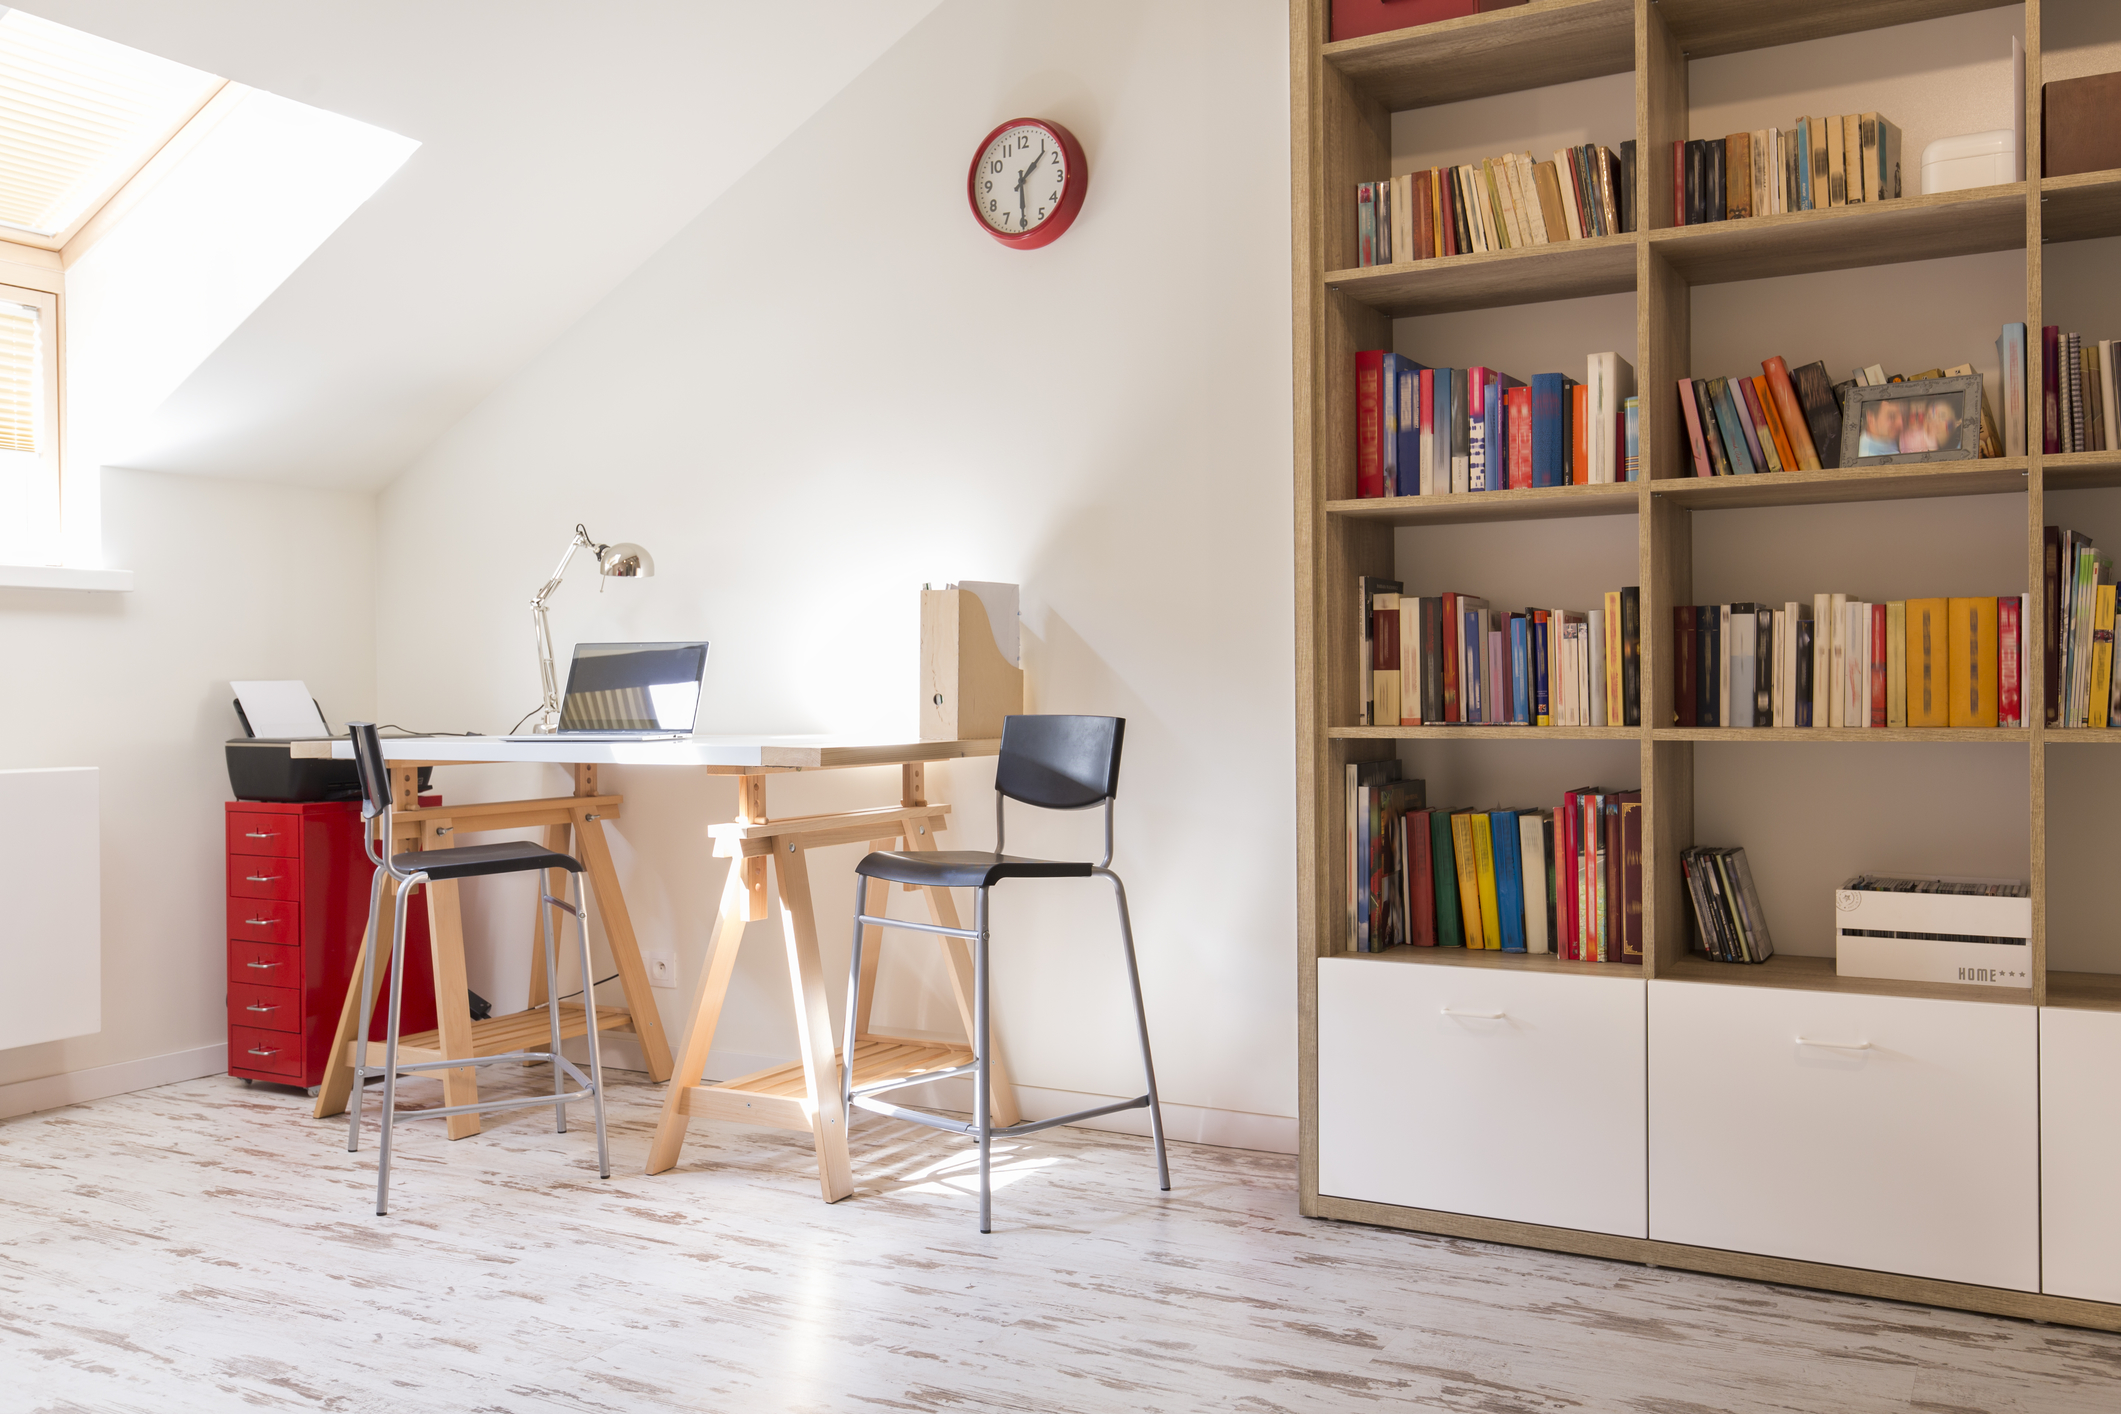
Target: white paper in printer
282 708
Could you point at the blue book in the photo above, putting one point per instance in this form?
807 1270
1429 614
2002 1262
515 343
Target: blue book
1804 164
1734 443
1542 711
1407 404
1498 419
1509 878
1711 658
1632 410
1550 428
1389 451
1520 670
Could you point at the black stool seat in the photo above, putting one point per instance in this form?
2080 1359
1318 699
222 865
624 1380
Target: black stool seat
510 857
963 868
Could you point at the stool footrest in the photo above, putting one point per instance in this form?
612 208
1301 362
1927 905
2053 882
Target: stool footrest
920 1079
960 1126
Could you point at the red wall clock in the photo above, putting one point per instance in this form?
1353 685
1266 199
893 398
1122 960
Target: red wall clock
1027 182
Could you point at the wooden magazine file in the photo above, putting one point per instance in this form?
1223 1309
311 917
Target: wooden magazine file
967 686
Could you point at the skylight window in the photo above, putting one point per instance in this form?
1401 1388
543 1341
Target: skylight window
79 115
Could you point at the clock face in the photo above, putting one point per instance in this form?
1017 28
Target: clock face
1027 182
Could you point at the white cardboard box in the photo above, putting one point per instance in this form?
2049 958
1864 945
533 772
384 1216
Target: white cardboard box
1859 915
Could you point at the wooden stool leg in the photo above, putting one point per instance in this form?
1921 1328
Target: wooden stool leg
813 1024
625 950
445 934
957 956
706 1011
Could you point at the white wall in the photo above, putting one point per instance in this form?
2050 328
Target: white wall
234 580
833 387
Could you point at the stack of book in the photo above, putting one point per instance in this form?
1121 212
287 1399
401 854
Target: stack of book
1840 662
1729 923
2077 602
1566 880
1450 660
1821 162
2077 399
1501 203
1423 431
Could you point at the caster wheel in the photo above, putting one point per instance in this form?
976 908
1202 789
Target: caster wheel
312 1091
248 1081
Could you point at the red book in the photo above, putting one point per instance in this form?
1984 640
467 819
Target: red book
1791 412
1384 641
1565 878
1452 629
1691 411
1370 422
1421 881
1683 665
2009 710
1877 665
1580 428
1352 19
1679 183
2050 385
1631 877
1517 403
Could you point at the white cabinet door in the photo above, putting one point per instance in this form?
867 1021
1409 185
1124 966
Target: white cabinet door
2080 1153
1861 1131
1483 1090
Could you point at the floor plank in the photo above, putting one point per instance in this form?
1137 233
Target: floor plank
207 1246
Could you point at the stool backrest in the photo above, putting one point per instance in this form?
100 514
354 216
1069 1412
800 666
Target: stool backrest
1060 763
368 765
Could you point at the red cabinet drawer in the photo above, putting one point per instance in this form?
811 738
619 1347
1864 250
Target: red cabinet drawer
264 876
264 964
269 1008
267 1052
260 920
259 833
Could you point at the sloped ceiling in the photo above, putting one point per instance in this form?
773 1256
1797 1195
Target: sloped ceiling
560 146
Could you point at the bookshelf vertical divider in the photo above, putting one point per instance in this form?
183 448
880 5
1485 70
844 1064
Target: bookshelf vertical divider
1341 122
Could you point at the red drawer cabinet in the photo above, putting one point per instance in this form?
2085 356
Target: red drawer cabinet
298 886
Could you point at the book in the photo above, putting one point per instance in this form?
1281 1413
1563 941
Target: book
1738 176
1764 659
1804 657
1896 663
1973 660
1369 422
1791 411
1517 449
1366 223
1630 604
1928 668
1816 135
1874 645
1735 444
1362 777
2073 391
2010 357
2102 656
1611 381
1758 446
1443 878
2050 622
1690 412
1551 436
1822 411
2050 393
1631 438
1631 931
1762 397
1480 831
1744 663
1506 843
2010 669
1468 879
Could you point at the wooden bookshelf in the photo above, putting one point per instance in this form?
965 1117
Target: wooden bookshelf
1343 96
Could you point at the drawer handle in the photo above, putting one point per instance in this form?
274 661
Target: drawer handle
259 922
261 834
255 1007
1835 1045
1482 1015
261 964
273 1052
261 878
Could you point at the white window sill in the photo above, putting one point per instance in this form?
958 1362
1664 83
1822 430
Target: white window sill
61 577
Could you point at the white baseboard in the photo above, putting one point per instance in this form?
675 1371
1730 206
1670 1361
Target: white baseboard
99 1082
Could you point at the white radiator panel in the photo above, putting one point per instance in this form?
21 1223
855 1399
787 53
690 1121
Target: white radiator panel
51 930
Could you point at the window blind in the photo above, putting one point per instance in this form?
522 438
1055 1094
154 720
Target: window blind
21 380
78 116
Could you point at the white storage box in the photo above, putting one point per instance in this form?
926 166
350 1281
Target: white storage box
1970 160
1930 937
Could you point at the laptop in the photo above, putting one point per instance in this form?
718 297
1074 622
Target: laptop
630 692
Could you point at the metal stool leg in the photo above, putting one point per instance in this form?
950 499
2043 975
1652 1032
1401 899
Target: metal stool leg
371 939
589 1014
1141 1023
552 1006
983 1116
854 992
390 1039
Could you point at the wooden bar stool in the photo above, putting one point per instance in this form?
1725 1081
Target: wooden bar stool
1055 763
411 869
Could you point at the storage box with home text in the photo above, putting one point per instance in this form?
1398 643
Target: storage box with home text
1978 939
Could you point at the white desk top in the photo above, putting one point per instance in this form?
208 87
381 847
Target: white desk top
797 753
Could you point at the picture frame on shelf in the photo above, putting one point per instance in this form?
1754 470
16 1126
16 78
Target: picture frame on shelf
1923 420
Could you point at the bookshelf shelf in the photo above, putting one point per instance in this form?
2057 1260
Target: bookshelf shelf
2082 207
1343 100
1474 507
1603 265
1808 488
1846 237
1545 42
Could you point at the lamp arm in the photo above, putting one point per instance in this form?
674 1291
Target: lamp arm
549 715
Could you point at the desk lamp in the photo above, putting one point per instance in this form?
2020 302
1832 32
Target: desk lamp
621 561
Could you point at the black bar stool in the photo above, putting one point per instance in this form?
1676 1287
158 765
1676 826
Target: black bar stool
416 867
1055 763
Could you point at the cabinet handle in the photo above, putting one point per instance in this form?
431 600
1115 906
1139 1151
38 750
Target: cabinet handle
1483 1015
273 1052
255 1007
261 964
261 878
1835 1045
261 834
259 922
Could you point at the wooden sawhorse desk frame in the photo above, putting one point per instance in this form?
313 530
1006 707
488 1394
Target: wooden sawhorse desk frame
581 815
804 1095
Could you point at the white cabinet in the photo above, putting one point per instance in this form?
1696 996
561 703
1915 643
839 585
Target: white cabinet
1862 1131
1497 1093
2080 1153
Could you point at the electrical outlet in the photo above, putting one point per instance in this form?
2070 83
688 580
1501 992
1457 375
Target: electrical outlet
662 969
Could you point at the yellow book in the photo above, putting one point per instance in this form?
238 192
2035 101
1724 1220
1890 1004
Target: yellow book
1973 665
1484 867
1615 714
2102 655
1468 878
1929 661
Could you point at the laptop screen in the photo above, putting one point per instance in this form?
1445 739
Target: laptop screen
633 687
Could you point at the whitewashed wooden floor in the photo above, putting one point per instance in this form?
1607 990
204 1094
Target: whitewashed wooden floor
209 1247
